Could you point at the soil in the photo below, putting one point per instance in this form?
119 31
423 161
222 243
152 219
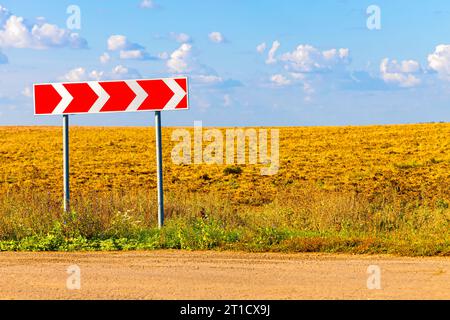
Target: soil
220 275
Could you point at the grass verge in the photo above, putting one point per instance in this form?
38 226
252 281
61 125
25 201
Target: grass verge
302 220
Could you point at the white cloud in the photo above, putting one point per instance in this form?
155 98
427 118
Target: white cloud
105 58
118 42
405 66
306 58
305 81
134 55
261 47
400 73
15 34
76 75
306 67
271 57
216 37
179 59
298 76
207 79
280 80
96 75
118 72
50 35
148 4
27 92
121 72
181 37
335 55
128 50
439 61
184 61
18 33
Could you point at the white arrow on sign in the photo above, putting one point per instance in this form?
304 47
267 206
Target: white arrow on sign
141 95
103 97
66 98
179 94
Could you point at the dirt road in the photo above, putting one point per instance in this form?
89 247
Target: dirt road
220 275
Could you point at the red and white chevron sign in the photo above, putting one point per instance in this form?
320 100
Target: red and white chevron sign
111 96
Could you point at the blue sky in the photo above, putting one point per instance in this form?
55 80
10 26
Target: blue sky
250 62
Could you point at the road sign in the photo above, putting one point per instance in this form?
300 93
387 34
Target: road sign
94 97
111 96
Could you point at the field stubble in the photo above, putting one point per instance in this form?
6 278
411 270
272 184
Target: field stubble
378 189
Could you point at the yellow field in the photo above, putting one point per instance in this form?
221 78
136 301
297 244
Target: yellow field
413 161
378 189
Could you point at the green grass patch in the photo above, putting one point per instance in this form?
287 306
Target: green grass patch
313 221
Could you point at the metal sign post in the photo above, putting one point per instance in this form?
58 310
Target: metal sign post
159 169
66 162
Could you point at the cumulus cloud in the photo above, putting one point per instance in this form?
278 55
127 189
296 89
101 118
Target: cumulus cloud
181 37
184 61
403 73
148 4
128 50
96 75
306 58
27 92
121 72
105 58
134 55
216 37
118 42
117 73
261 47
271 56
303 80
405 66
121 42
306 66
179 60
208 79
214 81
16 32
439 61
280 80
76 75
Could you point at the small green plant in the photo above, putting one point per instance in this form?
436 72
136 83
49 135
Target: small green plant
232 170
408 165
442 204
124 224
269 236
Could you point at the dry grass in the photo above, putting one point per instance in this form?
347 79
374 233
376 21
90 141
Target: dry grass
312 219
354 189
